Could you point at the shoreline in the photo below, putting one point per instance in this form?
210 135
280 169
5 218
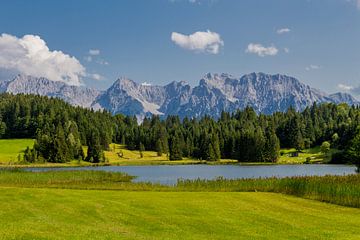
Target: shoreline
154 163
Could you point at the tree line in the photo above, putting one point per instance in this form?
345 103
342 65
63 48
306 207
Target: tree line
61 131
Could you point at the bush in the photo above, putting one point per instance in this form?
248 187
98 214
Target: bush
341 158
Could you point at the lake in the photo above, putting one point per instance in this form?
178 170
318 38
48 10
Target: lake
168 174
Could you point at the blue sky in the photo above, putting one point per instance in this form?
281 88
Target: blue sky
155 41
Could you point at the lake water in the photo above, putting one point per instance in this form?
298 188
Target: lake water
166 174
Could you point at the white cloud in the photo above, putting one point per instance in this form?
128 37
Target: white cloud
30 55
312 67
208 41
284 30
345 87
94 52
286 50
262 51
96 76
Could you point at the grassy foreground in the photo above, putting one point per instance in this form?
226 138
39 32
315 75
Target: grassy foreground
77 214
89 205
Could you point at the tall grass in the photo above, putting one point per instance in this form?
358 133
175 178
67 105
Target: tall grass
341 190
16 177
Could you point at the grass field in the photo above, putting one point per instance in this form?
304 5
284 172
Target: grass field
105 205
130 157
11 148
119 155
313 154
92 214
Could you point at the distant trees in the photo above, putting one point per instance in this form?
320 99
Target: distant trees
61 131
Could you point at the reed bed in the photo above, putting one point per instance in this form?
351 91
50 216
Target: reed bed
341 190
75 179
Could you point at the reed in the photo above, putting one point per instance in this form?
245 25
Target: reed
341 190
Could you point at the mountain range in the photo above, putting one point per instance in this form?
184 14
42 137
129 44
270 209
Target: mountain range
215 93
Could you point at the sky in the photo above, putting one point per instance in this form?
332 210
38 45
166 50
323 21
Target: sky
92 43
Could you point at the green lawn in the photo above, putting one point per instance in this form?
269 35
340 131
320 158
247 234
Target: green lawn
11 148
94 214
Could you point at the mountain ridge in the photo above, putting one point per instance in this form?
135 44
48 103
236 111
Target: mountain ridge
215 93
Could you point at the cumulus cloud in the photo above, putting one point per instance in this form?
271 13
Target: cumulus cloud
96 76
286 50
345 87
261 51
209 42
312 67
94 52
30 55
284 30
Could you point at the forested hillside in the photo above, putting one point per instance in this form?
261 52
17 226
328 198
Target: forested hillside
61 130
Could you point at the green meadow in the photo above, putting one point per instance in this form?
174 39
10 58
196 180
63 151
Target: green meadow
108 205
11 148
94 214
117 154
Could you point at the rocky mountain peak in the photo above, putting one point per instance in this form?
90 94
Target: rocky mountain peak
215 93
78 96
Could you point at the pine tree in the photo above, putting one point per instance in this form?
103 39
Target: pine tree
94 152
211 153
175 148
159 147
60 149
272 146
215 146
